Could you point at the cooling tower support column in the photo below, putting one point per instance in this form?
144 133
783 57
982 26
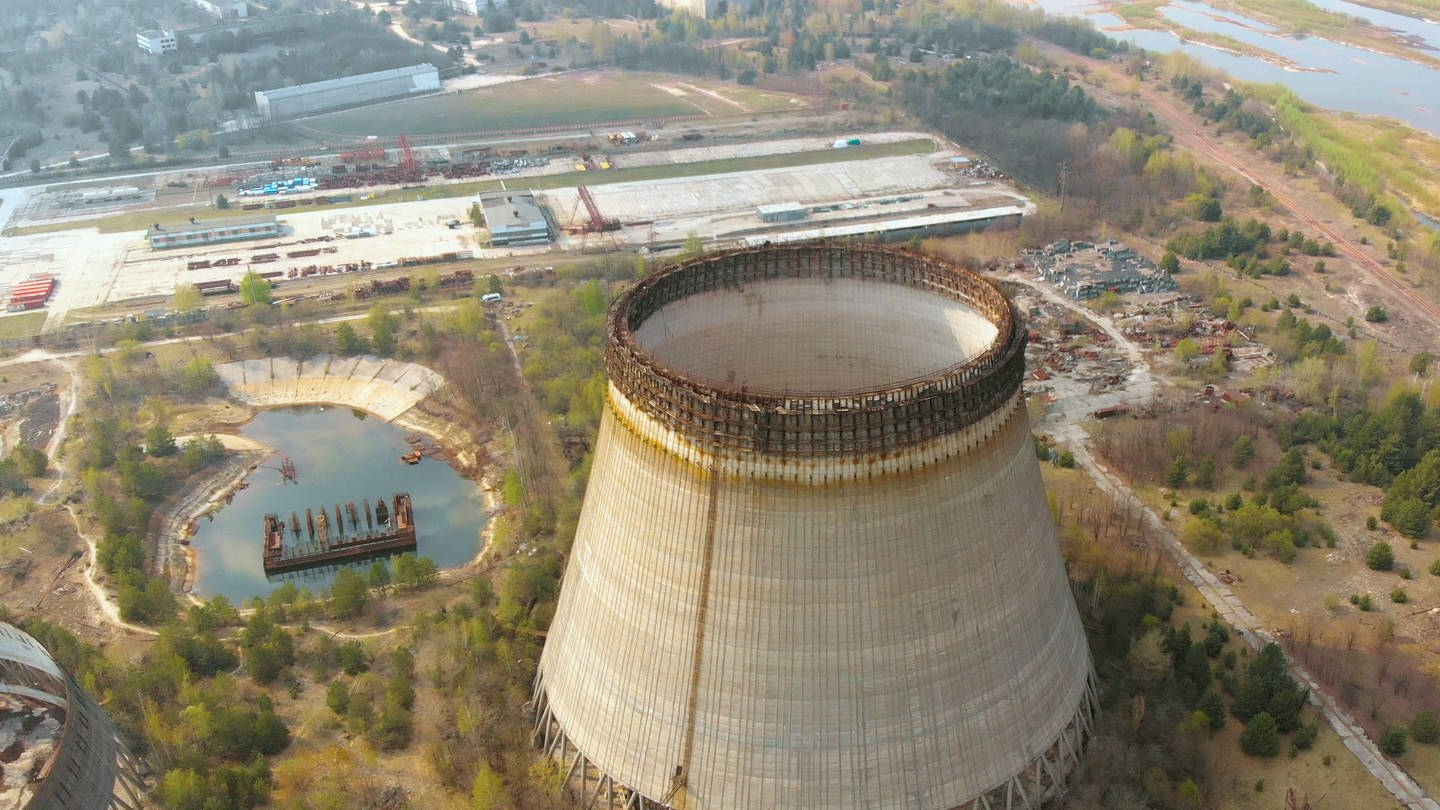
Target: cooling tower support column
815 567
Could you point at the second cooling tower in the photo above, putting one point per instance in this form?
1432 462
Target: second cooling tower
815 567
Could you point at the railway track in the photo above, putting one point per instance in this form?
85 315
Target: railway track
1195 138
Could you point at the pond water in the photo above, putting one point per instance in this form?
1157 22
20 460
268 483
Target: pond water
341 455
1329 74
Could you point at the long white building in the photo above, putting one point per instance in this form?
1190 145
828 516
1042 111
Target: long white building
346 91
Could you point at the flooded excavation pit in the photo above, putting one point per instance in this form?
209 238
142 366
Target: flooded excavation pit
339 490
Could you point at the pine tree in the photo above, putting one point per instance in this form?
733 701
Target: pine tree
1260 737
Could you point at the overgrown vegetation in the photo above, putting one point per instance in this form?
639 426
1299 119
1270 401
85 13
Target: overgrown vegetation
1113 166
1396 447
129 465
1167 684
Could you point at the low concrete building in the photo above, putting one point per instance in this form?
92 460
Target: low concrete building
157 42
212 232
782 212
346 91
473 8
514 218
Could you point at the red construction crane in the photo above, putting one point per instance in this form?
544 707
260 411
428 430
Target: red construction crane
598 223
407 161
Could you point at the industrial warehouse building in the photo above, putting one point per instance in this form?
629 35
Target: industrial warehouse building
347 91
814 569
514 218
212 232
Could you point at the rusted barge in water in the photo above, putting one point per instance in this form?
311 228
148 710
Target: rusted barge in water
387 529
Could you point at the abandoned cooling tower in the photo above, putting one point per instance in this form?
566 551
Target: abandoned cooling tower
815 567
61 751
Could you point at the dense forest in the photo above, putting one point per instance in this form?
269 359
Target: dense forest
1114 166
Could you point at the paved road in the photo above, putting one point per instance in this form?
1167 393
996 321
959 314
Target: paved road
1138 390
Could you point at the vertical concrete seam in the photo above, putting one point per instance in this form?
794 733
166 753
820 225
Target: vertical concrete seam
697 657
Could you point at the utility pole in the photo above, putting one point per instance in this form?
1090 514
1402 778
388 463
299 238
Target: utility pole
1064 170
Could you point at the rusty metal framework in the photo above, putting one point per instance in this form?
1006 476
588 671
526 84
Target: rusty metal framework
803 424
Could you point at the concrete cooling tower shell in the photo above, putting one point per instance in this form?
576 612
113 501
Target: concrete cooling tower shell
63 753
815 567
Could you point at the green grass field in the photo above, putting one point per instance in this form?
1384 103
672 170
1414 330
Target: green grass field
557 101
25 324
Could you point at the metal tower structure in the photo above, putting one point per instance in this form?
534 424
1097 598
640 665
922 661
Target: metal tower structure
407 155
815 567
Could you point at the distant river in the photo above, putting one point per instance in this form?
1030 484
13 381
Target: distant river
1329 74
341 455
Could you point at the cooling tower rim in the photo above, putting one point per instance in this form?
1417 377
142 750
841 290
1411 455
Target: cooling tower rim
865 420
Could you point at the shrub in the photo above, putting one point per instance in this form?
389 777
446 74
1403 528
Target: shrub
1260 737
1214 708
337 697
1380 557
353 659
1392 742
1424 728
1399 597
1305 737
1435 568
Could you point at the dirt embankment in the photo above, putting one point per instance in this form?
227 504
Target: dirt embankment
172 521
386 388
